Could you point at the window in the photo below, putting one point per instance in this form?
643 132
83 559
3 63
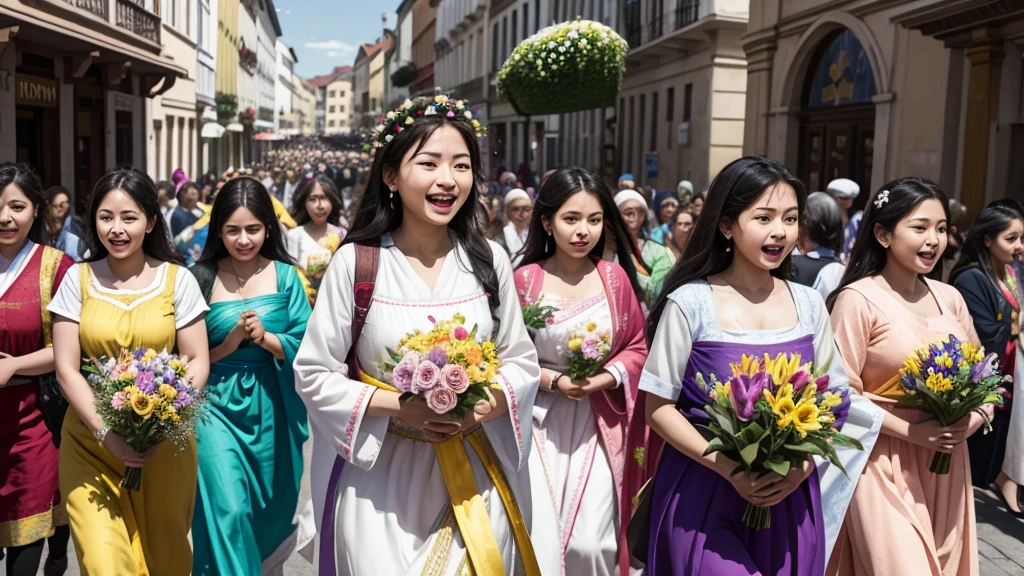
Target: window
334 93
494 48
331 123
526 20
671 104
554 11
687 101
342 93
536 16
515 29
654 121
640 120
331 110
629 139
342 109
600 11
504 38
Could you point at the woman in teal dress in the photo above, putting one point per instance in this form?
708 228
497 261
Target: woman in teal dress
250 450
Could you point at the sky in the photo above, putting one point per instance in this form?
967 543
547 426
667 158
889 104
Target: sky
327 33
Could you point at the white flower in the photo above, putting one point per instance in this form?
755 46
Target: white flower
882 199
516 57
583 42
561 48
391 115
567 44
542 74
431 110
574 34
389 138
380 128
552 44
468 115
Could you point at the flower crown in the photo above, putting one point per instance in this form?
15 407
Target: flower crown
398 119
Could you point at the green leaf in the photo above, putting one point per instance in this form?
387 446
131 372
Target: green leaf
844 440
749 453
805 448
716 445
779 466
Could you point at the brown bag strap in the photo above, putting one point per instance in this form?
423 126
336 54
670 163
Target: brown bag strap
367 263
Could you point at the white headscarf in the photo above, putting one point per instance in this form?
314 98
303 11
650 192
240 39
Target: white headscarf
624 196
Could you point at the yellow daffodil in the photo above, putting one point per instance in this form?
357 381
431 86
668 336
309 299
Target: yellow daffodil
831 400
475 374
938 383
575 344
944 361
723 390
782 367
972 352
143 405
912 365
805 418
747 366
782 404
149 355
167 392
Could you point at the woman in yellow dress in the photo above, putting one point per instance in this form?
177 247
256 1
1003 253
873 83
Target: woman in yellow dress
130 294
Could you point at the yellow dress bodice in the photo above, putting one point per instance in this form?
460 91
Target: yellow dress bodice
129 319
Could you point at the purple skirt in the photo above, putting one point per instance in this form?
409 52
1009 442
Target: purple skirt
697 527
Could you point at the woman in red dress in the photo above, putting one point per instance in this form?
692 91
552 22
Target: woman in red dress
30 272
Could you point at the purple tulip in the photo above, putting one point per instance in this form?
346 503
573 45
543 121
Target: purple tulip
822 383
799 379
984 369
746 390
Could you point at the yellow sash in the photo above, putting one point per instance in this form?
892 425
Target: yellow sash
470 512
47 272
891 389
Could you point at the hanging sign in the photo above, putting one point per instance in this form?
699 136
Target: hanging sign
35 91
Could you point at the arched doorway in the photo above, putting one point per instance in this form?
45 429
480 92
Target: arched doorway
837 121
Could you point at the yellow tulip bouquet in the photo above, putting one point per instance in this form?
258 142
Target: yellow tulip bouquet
447 366
949 380
773 414
316 265
145 398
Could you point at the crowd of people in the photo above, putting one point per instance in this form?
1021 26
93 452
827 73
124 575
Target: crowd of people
291 285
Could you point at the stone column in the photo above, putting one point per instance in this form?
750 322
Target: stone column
986 56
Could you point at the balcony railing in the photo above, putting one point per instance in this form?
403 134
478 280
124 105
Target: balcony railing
128 15
94 7
134 18
687 12
655 28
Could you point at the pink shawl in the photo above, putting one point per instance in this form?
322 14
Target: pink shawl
614 409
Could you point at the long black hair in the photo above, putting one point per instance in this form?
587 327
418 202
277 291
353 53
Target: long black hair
868 257
378 214
244 192
141 189
561 185
298 208
25 178
989 223
735 189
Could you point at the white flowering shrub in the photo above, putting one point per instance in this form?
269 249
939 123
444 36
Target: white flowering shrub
567 67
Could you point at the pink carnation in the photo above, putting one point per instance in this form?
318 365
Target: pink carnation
427 376
441 400
454 377
117 402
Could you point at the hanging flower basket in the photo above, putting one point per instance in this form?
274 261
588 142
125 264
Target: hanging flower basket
567 67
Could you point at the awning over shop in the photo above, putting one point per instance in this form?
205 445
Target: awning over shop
212 130
235 127
262 125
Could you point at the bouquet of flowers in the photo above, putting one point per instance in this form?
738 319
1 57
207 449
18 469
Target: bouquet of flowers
536 315
948 380
773 414
316 265
566 67
145 398
447 366
588 349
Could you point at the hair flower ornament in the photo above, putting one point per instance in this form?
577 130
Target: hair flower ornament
882 199
402 117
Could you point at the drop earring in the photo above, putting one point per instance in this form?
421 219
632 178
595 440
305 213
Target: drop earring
728 245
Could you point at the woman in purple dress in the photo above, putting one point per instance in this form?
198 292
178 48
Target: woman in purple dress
727 297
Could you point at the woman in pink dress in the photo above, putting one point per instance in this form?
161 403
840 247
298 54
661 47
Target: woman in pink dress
904 519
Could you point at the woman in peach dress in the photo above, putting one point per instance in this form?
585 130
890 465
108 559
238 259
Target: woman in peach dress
904 519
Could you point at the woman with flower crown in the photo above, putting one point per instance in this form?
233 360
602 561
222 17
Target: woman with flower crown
582 425
904 519
397 488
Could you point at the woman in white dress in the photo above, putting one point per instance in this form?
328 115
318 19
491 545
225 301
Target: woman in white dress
581 427
318 231
386 468
518 210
